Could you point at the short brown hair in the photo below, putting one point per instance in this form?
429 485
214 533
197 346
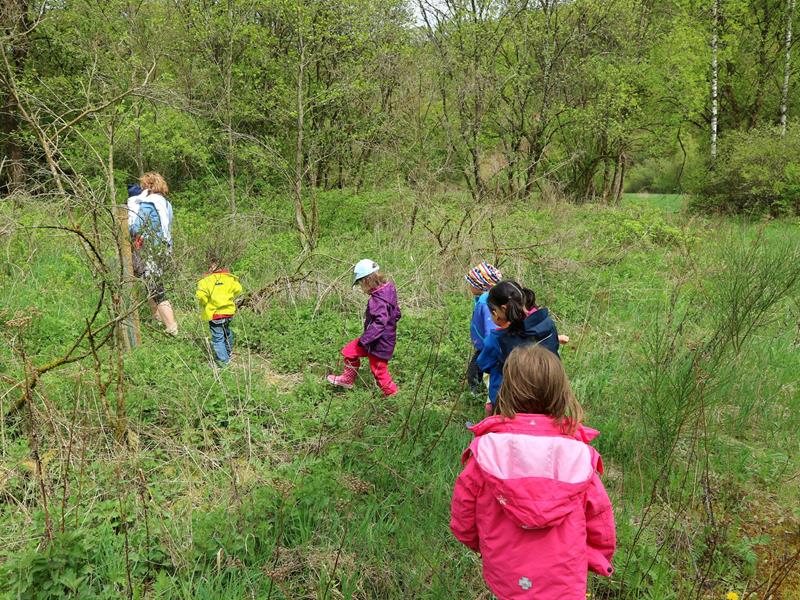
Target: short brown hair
373 281
154 182
534 381
215 255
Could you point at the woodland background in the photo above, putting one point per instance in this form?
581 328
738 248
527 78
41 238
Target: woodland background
634 162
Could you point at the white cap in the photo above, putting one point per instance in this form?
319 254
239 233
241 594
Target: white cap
363 268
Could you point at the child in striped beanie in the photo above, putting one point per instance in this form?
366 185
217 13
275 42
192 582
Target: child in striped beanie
480 278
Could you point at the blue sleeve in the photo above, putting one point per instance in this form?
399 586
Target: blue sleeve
489 362
474 330
486 320
171 216
490 353
135 227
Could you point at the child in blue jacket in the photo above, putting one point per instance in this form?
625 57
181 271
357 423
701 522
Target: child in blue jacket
480 278
519 323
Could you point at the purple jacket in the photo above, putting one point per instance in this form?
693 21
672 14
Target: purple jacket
380 322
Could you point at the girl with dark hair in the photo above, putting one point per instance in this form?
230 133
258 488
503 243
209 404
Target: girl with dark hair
520 322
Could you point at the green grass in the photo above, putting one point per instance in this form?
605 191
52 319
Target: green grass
261 480
667 202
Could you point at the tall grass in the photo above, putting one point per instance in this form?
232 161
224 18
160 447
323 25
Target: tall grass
260 481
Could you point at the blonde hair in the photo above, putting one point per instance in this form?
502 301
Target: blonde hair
373 281
534 381
154 182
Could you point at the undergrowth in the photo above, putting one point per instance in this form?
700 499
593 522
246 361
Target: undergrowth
260 481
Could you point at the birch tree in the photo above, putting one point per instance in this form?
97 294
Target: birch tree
787 69
714 77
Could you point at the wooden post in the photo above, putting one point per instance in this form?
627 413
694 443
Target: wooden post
131 324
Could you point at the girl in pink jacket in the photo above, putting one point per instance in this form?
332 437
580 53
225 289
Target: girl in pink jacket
529 498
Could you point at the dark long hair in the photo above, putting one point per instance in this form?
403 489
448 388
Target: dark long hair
517 301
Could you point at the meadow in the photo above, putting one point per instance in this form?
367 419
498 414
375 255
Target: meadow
261 481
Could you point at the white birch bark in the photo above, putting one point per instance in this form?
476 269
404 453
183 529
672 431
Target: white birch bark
714 73
787 65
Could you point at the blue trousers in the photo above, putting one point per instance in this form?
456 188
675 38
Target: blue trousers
474 374
221 339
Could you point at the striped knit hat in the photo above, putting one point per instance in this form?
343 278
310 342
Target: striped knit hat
483 276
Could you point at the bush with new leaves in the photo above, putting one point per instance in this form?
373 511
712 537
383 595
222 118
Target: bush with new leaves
755 172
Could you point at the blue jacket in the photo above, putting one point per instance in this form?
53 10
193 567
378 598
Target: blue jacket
482 324
538 328
147 222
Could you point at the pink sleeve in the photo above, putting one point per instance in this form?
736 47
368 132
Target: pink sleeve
601 536
462 508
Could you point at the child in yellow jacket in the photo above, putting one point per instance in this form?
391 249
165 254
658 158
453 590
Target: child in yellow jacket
216 292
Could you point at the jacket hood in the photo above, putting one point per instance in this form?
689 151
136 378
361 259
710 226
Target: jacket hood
387 292
521 423
538 324
225 272
536 474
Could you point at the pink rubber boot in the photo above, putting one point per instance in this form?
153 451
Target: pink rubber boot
346 379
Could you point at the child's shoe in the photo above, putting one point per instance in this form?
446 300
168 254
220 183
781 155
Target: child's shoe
345 380
390 392
489 409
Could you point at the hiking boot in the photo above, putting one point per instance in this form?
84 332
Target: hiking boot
345 380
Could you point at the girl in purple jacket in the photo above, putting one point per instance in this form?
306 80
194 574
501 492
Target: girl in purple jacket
380 330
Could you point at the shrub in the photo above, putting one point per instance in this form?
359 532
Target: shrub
635 227
755 172
657 175
59 570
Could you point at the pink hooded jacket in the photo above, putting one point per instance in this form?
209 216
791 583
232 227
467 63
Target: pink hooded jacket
530 501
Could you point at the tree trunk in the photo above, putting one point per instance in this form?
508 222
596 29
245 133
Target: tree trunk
12 172
714 82
229 112
13 17
609 184
299 211
138 157
475 158
787 64
620 179
535 151
129 332
536 147
41 136
125 333
511 168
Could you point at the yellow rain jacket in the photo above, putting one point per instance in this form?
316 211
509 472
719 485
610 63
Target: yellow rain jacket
216 292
